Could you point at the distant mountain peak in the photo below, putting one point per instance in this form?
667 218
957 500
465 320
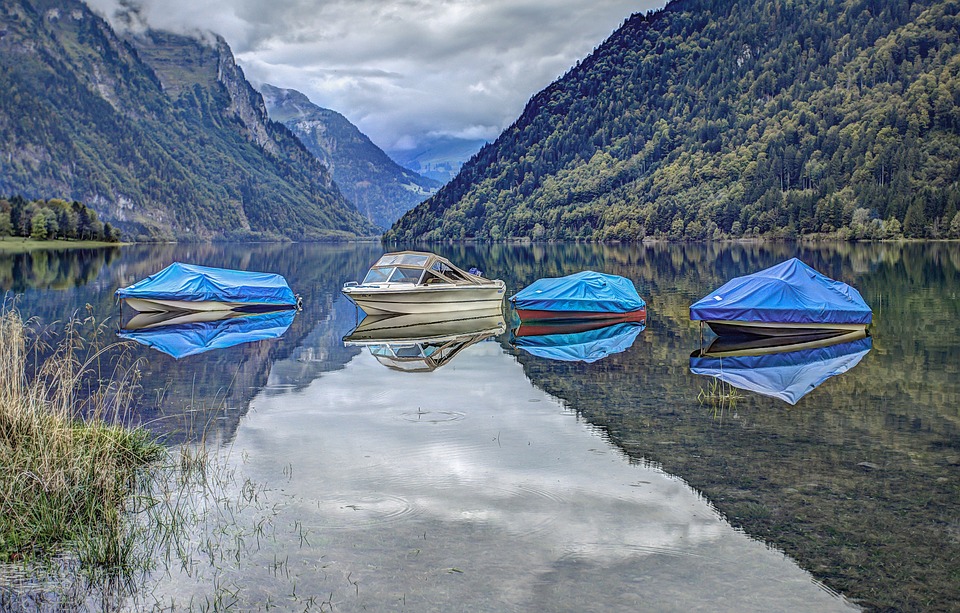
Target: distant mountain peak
380 188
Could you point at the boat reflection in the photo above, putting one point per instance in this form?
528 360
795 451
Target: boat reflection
183 333
784 368
578 341
423 342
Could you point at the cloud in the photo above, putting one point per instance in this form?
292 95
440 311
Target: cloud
401 70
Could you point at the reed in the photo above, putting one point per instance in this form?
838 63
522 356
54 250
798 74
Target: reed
720 395
66 474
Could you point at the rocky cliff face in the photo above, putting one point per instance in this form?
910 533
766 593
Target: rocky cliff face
380 188
160 133
245 102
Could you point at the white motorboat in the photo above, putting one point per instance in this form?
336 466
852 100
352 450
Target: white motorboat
412 282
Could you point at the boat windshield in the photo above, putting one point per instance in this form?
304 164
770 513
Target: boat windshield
448 271
405 275
389 274
377 275
403 259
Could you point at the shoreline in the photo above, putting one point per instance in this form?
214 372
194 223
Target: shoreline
10 244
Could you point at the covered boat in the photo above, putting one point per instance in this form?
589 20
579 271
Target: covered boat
186 334
787 299
582 295
410 282
584 341
188 287
787 369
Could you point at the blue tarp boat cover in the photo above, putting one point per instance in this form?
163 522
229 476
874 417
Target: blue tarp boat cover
195 283
788 376
181 340
588 346
790 292
586 291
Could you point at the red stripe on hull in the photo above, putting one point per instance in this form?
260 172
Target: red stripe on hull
537 323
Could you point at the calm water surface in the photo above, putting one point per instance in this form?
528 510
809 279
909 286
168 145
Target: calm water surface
505 480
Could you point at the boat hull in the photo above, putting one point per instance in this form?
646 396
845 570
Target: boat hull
152 305
425 327
758 328
737 346
562 316
149 305
391 300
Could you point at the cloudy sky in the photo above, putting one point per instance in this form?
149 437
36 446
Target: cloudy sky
404 71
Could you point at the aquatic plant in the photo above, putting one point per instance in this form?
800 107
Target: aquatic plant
720 395
67 470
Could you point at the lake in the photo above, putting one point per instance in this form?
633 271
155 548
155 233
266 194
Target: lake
503 479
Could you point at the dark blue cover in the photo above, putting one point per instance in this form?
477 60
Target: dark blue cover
181 340
588 346
790 292
788 376
587 291
194 283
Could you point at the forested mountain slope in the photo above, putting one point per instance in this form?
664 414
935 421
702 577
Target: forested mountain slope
715 118
161 134
380 188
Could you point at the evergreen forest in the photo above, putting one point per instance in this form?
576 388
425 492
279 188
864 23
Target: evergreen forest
713 119
53 219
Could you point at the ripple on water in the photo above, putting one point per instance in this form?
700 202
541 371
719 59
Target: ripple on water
364 510
542 507
432 417
279 388
584 551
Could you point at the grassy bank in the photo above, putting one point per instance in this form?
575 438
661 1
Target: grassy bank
65 474
9 244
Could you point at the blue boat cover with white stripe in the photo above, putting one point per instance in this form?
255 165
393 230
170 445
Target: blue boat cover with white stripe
588 346
586 291
193 283
181 340
790 292
788 376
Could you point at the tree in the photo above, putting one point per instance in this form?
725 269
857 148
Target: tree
6 228
955 226
38 225
915 222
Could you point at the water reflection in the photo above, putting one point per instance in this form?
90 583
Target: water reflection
784 368
576 341
470 489
859 486
180 334
53 269
423 342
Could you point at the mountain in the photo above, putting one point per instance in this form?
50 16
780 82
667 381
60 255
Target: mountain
439 158
720 118
161 134
379 187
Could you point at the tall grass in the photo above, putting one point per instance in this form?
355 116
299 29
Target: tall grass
66 473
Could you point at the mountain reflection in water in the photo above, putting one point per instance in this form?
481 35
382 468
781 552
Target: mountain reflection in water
858 482
468 488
